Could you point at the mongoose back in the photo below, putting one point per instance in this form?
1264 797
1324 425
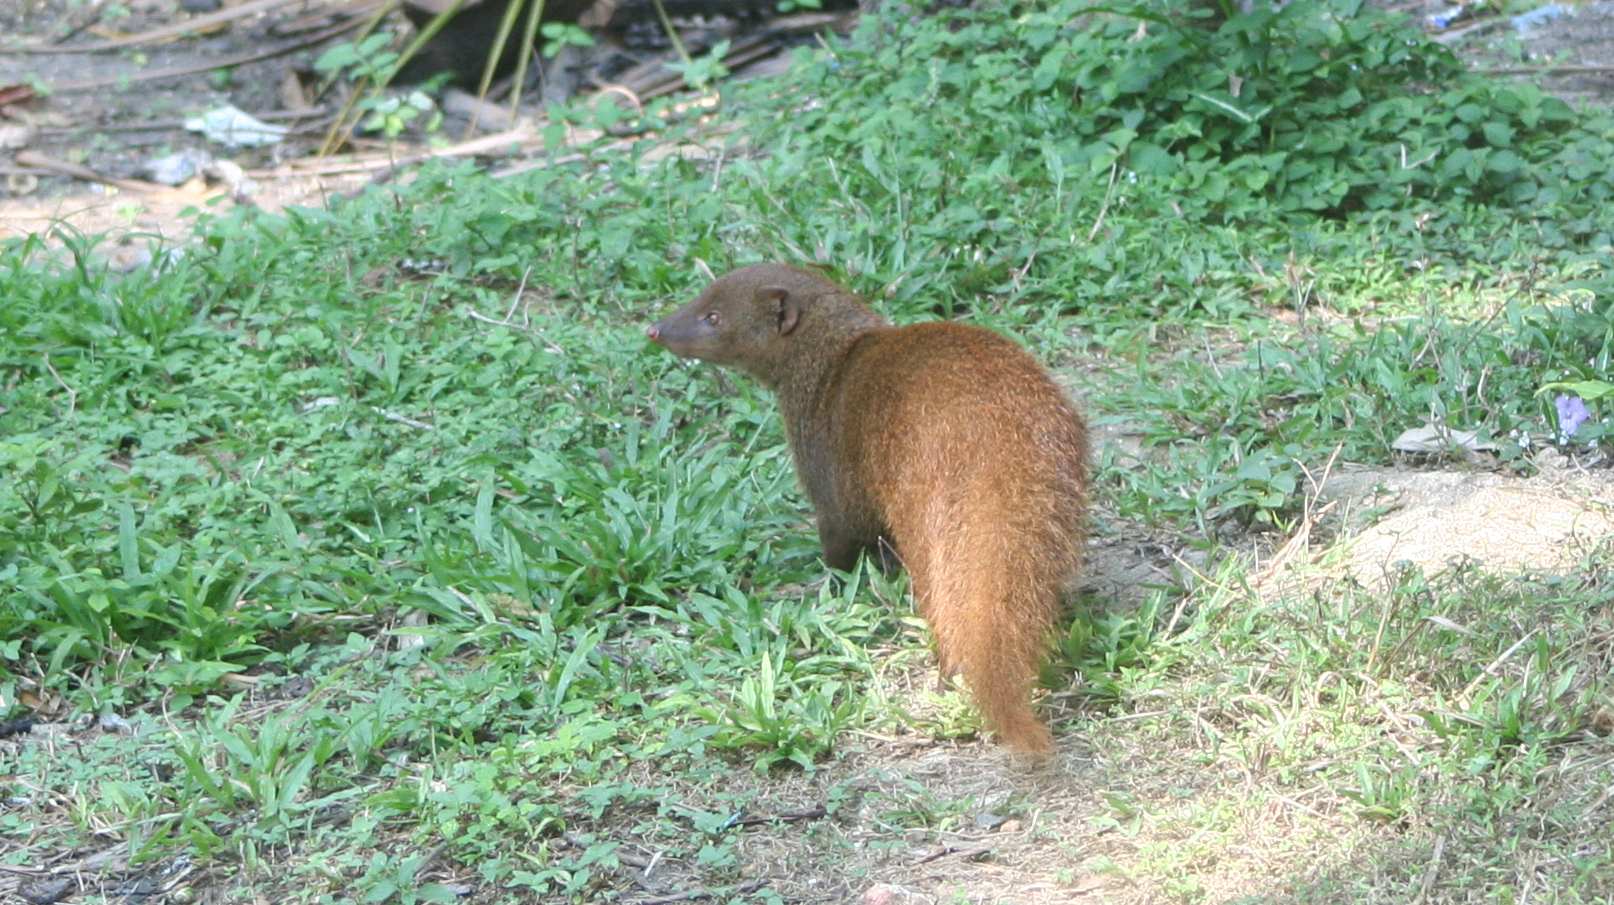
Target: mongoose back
948 442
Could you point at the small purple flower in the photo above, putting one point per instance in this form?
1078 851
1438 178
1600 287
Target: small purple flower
1572 413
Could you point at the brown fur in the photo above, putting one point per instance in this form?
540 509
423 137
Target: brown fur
947 441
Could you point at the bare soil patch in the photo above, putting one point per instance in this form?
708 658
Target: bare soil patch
111 113
1438 520
1566 48
104 112
1129 806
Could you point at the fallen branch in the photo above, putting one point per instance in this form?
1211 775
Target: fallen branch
404 420
487 144
89 21
461 103
626 857
686 150
174 72
1451 36
174 30
72 399
165 125
1601 800
16 94
1109 193
314 21
23 871
968 853
1545 70
39 161
654 78
812 813
1490 671
1431 871
689 896
693 894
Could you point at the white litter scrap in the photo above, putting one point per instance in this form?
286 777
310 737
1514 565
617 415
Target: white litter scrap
1432 439
233 128
1541 15
178 167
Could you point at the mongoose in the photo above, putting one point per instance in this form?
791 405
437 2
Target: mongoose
947 442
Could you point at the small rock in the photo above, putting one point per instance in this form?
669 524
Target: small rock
1601 721
19 726
1550 460
230 173
987 820
887 894
138 890
20 184
111 722
127 259
1011 826
178 167
16 135
46 892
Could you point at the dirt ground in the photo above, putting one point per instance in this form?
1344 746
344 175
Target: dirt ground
105 113
1368 522
80 130
113 129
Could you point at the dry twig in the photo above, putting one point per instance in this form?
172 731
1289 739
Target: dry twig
40 161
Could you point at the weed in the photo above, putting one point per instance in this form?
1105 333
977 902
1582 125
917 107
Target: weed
449 582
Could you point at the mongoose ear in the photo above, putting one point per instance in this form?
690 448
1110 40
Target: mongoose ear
789 310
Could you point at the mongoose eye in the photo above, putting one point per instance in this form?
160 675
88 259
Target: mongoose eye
711 318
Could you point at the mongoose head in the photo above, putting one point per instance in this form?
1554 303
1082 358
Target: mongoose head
742 318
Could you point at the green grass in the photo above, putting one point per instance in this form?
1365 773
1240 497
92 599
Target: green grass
402 586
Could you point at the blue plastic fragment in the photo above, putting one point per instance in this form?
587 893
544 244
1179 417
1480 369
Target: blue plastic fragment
1541 15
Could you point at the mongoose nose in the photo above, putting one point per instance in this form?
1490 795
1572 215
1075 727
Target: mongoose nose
654 332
